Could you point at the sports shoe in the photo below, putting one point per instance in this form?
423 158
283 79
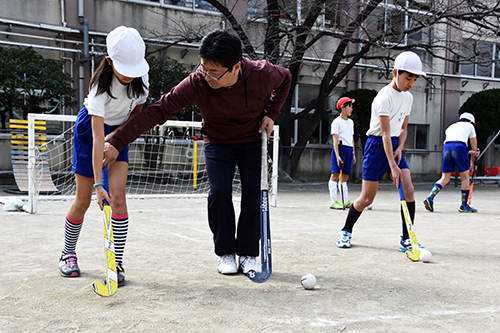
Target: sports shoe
249 264
227 264
429 204
344 239
120 272
405 245
336 205
68 265
348 204
465 208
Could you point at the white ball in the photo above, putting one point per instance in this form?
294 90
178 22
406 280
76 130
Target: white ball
425 256
308 281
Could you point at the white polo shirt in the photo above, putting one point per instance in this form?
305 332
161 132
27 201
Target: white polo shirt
115 111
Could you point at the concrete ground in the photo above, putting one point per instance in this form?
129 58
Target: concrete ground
173 284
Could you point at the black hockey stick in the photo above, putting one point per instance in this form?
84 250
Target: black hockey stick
265 228
340 178
471 186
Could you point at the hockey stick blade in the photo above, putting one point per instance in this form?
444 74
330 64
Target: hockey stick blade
414 254
104 290
265 229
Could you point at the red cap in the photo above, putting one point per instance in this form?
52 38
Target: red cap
344 100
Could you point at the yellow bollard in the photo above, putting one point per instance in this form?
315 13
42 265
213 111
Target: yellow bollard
195 161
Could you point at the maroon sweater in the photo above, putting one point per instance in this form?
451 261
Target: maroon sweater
230 115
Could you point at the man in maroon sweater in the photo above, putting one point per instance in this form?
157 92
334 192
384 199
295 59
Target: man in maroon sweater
231 93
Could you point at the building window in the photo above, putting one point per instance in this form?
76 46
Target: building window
480 59
189 4
497 61
305 93
332 16
392 18
257 8
417 137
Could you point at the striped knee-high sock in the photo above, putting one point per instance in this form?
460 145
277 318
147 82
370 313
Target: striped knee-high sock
465 196
435 190
71 233
120 230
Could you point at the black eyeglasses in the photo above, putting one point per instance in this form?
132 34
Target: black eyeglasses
215 78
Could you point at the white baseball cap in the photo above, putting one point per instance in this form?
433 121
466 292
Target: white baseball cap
126 49
468 116
409 61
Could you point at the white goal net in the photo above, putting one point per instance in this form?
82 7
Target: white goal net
168 161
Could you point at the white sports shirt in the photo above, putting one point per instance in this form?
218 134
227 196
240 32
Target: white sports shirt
115 111
460 131
392 103
344 129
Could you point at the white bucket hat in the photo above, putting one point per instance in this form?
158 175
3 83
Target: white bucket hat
468 116
126 49
409 61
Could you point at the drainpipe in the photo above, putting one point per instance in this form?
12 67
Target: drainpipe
64 24
63 15
81 72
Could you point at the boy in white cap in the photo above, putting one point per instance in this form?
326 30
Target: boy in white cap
456 155
342 130
383 150
118 90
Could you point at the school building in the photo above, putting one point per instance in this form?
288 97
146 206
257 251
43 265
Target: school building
74 32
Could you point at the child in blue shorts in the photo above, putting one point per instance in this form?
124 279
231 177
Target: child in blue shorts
118 90
456 155
342 130
383 150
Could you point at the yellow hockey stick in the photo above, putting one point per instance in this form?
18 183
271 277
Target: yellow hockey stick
111 282
414 254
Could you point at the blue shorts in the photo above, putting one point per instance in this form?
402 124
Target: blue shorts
82 145
347 157
455 154
375 163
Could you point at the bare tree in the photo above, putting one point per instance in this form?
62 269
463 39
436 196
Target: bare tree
365 30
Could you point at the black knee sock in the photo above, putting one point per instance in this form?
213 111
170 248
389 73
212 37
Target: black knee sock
351 219
411 210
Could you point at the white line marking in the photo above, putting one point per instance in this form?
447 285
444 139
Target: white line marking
188 238
328 322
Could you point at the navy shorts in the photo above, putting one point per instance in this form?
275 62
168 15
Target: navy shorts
375 163
347 157
455 154
82 147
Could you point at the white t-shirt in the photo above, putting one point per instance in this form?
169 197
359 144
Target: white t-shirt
344 129
115 111
460 132
392 103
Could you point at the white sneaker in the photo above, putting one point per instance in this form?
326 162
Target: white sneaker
248 264
227 264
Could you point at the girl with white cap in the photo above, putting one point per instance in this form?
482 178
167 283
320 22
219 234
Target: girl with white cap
118 90
456 155
383 150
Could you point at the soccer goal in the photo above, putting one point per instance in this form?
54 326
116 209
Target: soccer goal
168 161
